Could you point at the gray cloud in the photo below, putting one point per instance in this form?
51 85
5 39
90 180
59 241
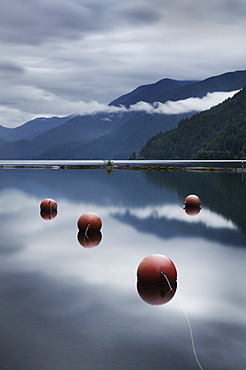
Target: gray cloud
10 67
73 50
35 22
142 12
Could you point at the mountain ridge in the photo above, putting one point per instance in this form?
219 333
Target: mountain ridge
31 129
149 93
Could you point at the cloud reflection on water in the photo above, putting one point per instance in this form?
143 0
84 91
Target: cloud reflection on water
169 211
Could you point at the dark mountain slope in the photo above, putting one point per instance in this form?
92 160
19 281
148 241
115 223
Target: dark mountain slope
168 89
150 93
229 81
31 129
219 133
121 143
22 149
80 129
2 141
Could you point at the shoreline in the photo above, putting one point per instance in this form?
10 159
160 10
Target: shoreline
127 167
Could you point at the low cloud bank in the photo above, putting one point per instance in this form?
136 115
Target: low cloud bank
186 105
169 107
56 106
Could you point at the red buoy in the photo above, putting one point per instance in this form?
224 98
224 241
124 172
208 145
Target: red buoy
192 200
49 205
156 294
89 221
89 239
156 269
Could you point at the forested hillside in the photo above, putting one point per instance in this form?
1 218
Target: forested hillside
218 133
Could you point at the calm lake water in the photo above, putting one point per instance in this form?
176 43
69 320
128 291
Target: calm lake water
64 306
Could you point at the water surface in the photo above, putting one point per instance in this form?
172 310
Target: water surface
64 306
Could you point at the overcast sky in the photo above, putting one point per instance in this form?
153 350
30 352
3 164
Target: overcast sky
58 55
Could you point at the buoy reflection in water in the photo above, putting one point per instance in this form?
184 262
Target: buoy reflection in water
192 211
89 239
47 215
156 294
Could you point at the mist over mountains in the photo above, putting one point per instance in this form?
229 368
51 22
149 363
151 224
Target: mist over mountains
122 128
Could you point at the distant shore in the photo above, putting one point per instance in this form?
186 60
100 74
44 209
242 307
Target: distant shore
125 167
